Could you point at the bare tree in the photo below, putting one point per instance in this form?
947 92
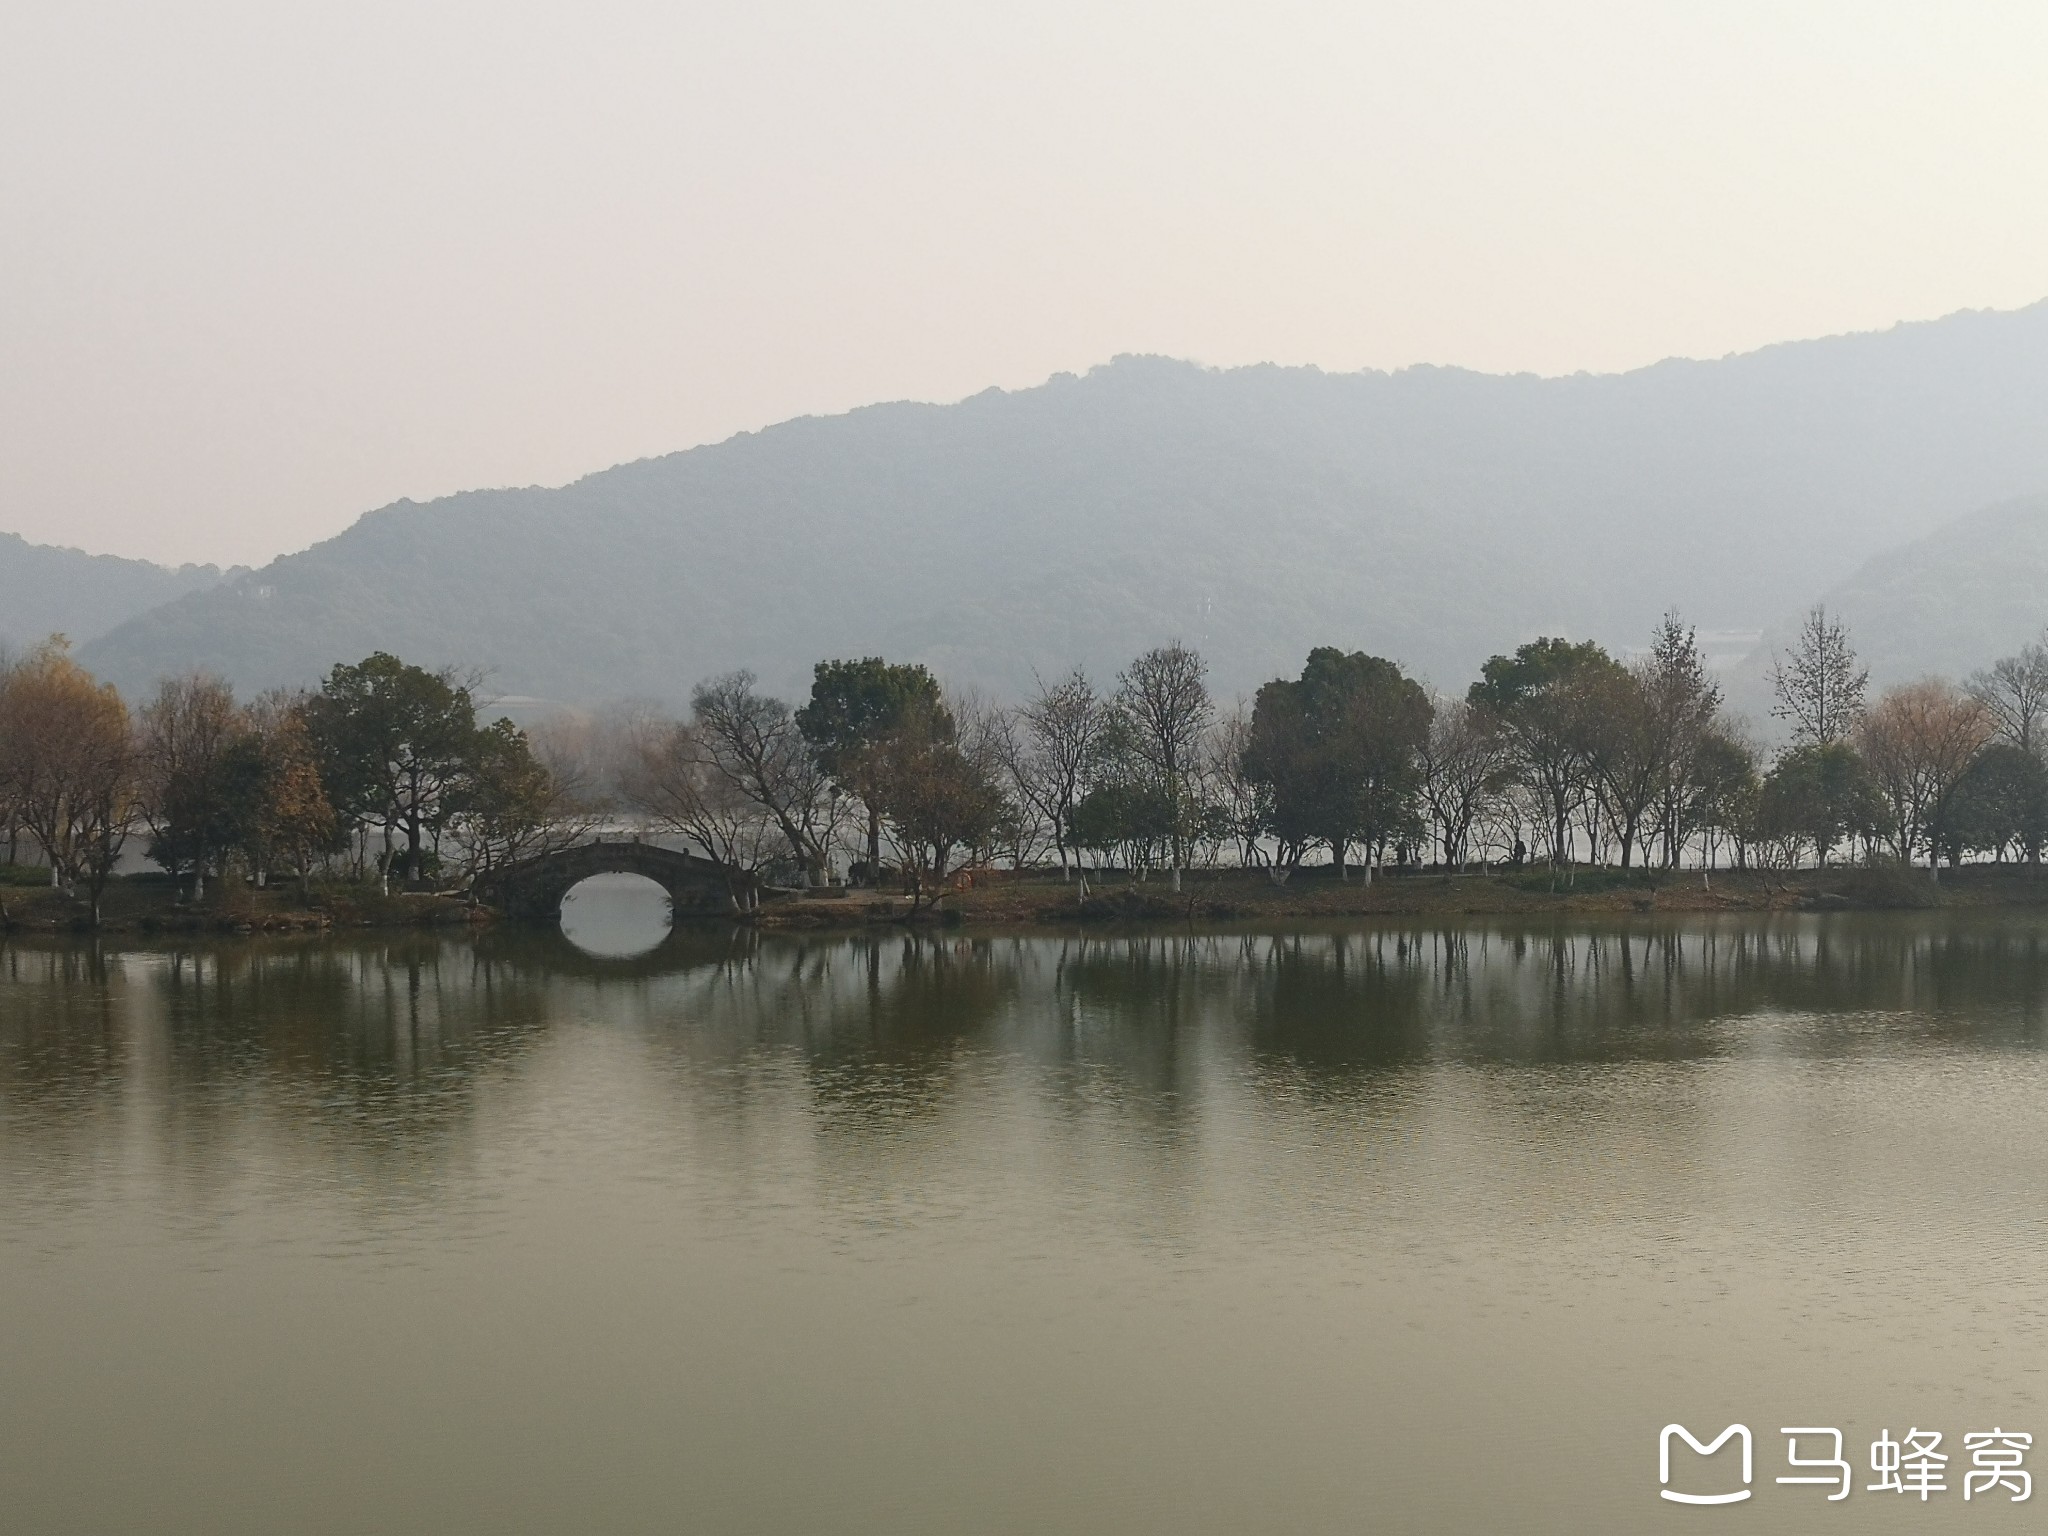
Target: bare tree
1717 799
1165 695
1239 796
188 779
1917 743
1819 686
2015 690
510 806
936 788
578 752
10 808
1507 821
681 782
601 753
752 742
1683 701
1629 753
1047 751
987 736
1465 765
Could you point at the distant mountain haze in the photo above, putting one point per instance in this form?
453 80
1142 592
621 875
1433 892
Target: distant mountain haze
45 590
1950 603
1432 515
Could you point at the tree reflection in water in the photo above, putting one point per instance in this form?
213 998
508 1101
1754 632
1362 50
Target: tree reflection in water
359 1034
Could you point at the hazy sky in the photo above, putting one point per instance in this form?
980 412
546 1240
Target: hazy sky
264 266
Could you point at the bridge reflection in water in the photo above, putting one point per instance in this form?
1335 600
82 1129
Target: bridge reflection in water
617 916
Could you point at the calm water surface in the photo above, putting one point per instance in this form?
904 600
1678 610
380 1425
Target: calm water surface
1345 1229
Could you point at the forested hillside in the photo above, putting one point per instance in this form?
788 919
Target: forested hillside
1431 515
1947 603
46 590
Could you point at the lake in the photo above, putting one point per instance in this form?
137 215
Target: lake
1385 1227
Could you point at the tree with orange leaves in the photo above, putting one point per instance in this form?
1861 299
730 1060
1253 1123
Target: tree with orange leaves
67 759
1918 742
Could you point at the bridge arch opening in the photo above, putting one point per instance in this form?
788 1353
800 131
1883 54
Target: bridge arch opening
615 915
532 889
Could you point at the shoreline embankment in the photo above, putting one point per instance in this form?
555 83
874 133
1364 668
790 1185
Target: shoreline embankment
1037 898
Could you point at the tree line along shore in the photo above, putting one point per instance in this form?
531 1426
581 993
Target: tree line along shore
1563 776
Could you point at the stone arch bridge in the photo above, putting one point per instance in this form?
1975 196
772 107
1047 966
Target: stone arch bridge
533 888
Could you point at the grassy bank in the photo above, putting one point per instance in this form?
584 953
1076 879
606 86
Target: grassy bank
1029 897
157 904
151 903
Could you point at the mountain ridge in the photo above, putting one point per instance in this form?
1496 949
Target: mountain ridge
48 589
1433 514
1947 604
